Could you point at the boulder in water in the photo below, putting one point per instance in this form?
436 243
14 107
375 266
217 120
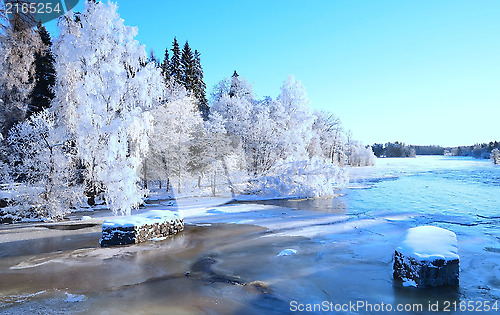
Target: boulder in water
427 257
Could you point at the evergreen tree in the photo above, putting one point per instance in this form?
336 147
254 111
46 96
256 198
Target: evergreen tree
187 67
234 84
165 66
45 74
199 86
152 58
175 63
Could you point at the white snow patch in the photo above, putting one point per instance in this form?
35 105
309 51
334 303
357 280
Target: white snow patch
86 217
74 297
150 217
409 283
429 243
287 252
158 239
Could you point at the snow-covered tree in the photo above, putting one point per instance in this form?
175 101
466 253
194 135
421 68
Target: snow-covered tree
359 155
224 155
307 178
495 156
45 74
199 86
234 105
220 89
152 58
18 44
43 160
103 93
328 133
296 118
175 124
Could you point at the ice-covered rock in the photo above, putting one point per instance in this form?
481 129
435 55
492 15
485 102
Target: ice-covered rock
139 228
287 252
428 256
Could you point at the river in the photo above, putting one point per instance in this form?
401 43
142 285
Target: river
227 261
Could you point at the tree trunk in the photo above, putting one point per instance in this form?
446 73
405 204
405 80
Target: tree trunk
214 180
226 172
145 173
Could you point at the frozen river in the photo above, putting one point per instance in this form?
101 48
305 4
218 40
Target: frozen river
334 252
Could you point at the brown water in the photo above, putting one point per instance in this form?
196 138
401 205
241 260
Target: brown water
216 269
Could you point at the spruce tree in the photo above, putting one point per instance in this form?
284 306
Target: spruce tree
175 62
152 58
234 84
199 86
165 66
187 65
45 74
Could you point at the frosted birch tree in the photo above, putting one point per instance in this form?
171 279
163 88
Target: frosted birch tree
103 93
296 118
328 130
175 125
495 156
43 160
18 44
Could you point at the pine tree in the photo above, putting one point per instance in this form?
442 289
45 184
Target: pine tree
45 75
165 66
187 67
199 87
175 63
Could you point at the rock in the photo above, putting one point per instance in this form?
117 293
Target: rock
427 257
140 228
4 203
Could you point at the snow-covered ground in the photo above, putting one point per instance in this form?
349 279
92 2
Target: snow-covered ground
259 256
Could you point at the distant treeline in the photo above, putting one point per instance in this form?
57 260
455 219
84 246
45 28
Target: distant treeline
478 151
396 149
399 149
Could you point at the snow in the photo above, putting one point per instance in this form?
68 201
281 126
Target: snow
410 283
429 243
74 297
307 178
149 217
287 252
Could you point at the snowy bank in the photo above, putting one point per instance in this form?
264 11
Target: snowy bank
299 179
427 256
140 228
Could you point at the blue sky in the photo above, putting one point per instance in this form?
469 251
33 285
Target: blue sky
421 72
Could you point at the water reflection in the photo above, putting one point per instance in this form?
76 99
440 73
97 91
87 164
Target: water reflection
332 205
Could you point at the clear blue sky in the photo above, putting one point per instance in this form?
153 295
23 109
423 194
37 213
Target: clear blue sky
421 72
